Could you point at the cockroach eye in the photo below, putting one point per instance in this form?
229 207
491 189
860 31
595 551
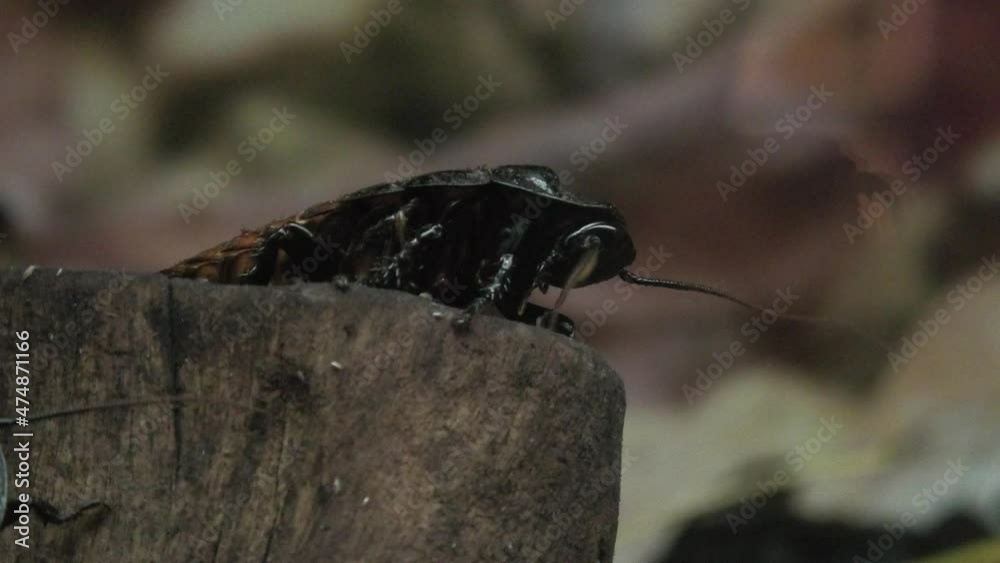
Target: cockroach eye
613 248
593 229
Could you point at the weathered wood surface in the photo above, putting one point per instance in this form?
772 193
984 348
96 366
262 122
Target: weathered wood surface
498 445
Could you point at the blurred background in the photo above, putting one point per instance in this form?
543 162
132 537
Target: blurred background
835 158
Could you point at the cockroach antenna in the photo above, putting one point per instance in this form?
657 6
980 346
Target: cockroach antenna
708 290
685 286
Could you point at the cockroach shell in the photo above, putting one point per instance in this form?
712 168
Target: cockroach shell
618 250
563 211
536 180
226 262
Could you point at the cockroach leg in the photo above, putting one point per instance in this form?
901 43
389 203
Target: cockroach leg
341 282
396 269
419 244
587 252
391 227
537 315
490 293
266 257
543 276
373 235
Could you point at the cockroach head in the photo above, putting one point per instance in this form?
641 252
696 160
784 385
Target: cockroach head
597 249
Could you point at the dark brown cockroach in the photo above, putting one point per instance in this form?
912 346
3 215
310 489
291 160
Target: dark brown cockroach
468 238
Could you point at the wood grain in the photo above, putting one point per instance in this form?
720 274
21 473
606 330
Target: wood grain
349 426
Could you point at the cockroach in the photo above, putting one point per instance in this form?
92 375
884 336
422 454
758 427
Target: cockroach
468 238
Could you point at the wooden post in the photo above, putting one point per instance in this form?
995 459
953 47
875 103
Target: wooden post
351 426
